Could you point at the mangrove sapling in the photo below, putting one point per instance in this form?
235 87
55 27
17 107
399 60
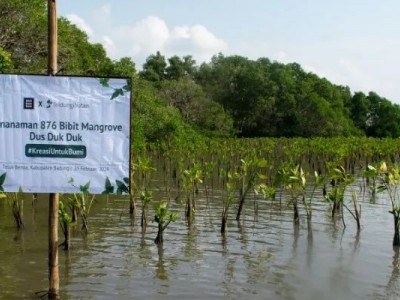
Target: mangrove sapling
340 179
191 179
66 223
143 169
247 174
17 205
227 202
293 181
145 199
208 168
390 181
163 218
307 201
357 209
266 191
371 175
84 201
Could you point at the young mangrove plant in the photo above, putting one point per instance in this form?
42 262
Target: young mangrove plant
143 169
248 174
163 218
339 179
226 203
307 200
145 199
357 209
84 201
66 222
191 179
390 181
266 191
293 180
372 174
17 207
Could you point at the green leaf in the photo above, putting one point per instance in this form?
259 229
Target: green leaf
121 187
173 217
85 188
381 188
104 82
3 178
127 87
262 176
262 163
108 187
117 92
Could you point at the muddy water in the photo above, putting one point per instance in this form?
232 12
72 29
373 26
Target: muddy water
263 257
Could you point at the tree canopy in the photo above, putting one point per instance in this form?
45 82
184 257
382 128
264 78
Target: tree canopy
225 97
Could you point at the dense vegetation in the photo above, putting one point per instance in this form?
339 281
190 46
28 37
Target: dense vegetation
174 98
194 114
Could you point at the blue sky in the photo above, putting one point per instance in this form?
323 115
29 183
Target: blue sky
354 43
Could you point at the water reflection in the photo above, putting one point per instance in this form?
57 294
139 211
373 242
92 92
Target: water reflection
393 286
161 271
66 254
262 257
309 251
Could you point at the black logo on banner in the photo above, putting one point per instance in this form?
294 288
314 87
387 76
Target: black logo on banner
29 103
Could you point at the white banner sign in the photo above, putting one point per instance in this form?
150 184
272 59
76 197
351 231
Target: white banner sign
53 129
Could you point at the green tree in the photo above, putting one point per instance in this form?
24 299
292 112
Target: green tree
154 69
23 34
180 68
196 108
359 110
124 67
77 56
384 117
5 61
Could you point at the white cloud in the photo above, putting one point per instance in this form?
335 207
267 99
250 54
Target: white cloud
194 40
109 45
280 56
147 36
152 34
102 14
204 40
311 69
81 24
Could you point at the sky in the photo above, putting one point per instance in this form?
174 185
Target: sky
355 43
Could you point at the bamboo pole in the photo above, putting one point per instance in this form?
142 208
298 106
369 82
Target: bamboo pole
54 278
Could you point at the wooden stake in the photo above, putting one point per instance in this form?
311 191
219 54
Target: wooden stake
54 278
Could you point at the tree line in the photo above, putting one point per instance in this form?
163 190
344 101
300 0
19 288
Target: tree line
229 96
264 98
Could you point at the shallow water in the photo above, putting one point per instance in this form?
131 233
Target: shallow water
263 257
